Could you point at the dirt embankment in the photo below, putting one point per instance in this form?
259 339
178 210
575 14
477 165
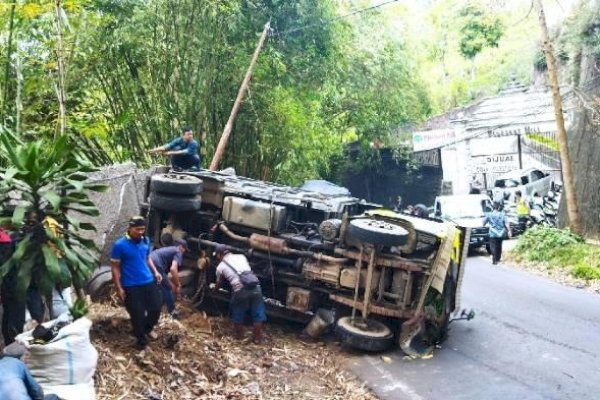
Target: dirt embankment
196 358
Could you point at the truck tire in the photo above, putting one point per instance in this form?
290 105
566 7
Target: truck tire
378 232
175 184
100 284
175 203
364 334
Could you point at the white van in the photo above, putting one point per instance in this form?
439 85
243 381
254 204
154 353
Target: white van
528 181
466 211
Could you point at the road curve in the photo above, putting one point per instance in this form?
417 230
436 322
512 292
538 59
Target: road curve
531 339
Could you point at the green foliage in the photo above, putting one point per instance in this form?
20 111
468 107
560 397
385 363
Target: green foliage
79 309
581 32
560 248
43 188
539 62
140 70
544 140
478 30
585 271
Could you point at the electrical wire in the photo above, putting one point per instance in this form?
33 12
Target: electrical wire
328 21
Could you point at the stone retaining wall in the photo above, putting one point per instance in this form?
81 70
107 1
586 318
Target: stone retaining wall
127 185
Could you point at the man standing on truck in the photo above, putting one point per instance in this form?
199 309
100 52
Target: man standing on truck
136 280
165 260
246 297
183 151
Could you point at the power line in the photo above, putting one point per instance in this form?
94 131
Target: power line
328 21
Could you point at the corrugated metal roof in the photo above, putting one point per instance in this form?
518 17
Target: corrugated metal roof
514 108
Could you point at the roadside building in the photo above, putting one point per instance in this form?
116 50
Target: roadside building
515 129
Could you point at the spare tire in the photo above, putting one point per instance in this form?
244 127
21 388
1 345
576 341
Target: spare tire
364 334
378 232
175 203
175 184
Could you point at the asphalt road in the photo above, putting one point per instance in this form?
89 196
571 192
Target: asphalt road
531 339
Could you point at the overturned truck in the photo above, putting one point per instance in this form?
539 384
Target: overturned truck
390 278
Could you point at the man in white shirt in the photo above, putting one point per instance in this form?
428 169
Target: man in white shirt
245 298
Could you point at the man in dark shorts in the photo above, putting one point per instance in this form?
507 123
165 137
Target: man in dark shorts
165 260
244 299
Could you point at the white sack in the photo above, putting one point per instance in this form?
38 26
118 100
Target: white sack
69 359
82 391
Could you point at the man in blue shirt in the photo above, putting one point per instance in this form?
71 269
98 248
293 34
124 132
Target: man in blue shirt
16 382
499 228
165 260
136 280
183 151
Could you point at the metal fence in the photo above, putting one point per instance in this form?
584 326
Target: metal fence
541 147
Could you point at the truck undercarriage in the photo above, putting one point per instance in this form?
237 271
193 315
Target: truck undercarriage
390 278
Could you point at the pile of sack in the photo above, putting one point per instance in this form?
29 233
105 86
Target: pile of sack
62 358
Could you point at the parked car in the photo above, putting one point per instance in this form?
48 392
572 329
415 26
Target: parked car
528 181
466 211
314 248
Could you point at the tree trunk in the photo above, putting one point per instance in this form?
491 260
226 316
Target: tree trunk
567 172
60 85
7 65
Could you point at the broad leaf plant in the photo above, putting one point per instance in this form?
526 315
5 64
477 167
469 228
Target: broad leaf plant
47 179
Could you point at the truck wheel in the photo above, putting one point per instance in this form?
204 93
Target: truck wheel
175 203
100 284
175 184
378 232
364 334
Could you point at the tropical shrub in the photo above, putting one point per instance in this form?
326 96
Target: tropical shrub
560 248
42 189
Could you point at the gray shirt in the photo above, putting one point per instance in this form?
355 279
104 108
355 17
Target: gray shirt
163 258
239 262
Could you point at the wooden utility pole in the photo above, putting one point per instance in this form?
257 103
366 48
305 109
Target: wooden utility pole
214 164
565 159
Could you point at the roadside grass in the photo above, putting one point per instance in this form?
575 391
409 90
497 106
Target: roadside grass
559 248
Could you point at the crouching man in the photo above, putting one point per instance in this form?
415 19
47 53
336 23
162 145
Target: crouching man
247 295
16 382
137 280
165 260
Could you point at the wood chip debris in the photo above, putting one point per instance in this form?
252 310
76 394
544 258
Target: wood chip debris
196 358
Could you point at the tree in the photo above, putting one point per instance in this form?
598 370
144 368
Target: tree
478 30
43 180
565 158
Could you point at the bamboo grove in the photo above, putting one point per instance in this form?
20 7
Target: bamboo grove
136 71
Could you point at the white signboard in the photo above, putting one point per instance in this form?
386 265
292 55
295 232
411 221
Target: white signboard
498 145
427 140
494 163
